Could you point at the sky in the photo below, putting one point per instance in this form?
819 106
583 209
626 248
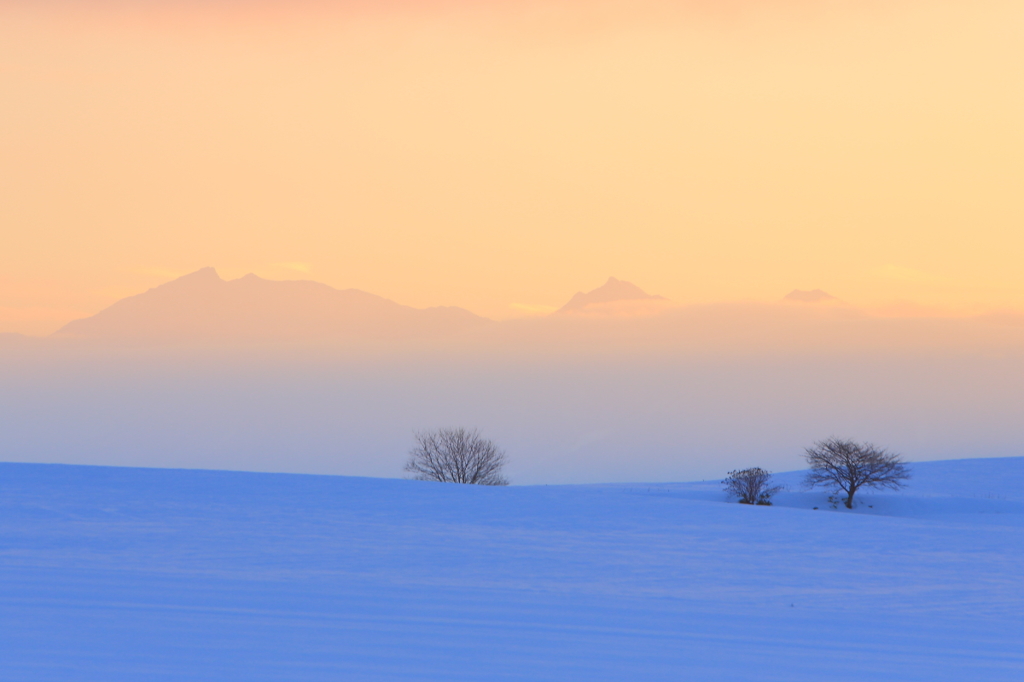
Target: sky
502 156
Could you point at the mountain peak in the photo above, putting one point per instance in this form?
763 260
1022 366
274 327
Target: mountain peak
207 273
201 307
814 296
611 291
201 279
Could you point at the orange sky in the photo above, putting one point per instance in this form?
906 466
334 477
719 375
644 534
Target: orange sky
502 155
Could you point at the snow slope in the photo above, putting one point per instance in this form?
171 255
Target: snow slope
146 574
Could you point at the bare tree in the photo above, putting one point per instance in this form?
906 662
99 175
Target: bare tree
849 466
456 455
751 485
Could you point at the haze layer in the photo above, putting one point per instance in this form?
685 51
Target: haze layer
619 385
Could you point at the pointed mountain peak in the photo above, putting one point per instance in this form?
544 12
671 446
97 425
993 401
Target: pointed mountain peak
814 296
204 277
611 291
207 273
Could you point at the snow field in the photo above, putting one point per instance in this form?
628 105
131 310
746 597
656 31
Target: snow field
144 574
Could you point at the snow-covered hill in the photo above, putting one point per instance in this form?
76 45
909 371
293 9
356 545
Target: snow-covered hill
946 490
143 574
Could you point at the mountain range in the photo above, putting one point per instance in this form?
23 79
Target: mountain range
203 307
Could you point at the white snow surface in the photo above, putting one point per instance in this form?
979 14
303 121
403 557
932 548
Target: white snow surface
111 574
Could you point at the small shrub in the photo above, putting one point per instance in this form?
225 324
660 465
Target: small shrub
751 486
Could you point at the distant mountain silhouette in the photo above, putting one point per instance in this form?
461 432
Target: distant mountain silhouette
815 296
612 291
202 307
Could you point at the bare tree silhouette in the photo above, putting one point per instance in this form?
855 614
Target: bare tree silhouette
456 455
849 466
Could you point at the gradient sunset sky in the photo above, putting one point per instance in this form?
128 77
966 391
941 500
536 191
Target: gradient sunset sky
501 155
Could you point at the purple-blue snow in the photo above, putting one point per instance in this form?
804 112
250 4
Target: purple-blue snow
110 574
